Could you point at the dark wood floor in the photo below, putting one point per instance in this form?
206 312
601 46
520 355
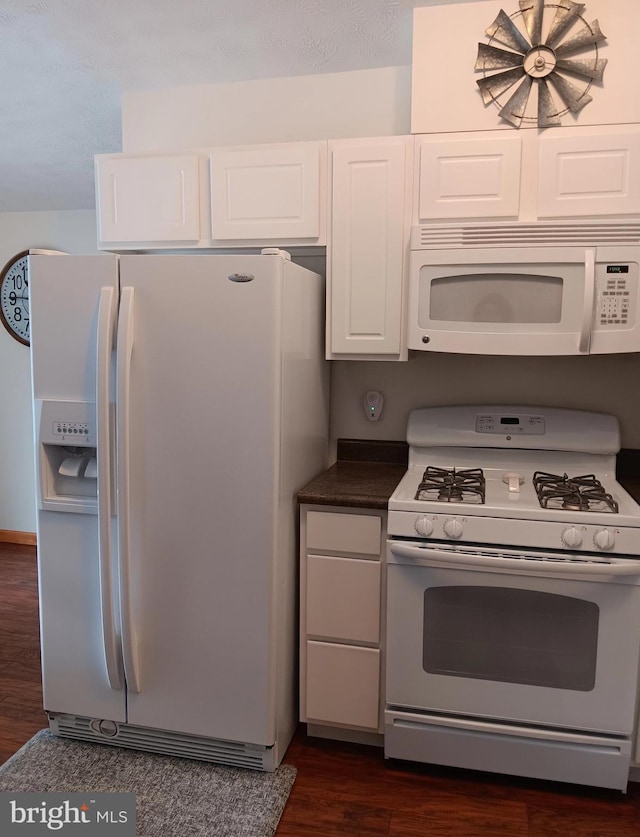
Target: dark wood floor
341 789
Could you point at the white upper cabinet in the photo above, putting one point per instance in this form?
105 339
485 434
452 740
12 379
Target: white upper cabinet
468 178
367 255
269 193
148 199
590 174
528 175
249 196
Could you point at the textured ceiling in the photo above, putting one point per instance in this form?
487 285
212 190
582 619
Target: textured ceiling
64 65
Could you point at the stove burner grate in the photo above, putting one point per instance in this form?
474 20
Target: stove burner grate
449 485
584 493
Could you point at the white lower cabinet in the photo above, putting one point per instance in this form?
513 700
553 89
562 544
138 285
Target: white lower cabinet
343 684
341 628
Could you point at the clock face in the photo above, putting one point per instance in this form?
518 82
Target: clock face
14 297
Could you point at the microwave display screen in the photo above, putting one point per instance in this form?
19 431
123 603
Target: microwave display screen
617 268
496 296
509 420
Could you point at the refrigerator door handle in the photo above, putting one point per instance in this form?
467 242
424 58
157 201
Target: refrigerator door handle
123 387
104 341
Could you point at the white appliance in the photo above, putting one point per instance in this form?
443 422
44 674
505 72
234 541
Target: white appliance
180 402
525 289
513 593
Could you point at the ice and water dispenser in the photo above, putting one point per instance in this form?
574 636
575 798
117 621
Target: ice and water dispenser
67 464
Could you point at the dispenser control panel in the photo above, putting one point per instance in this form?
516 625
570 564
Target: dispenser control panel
73 429
68 423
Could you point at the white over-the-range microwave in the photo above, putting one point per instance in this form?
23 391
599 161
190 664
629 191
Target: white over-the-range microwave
525 289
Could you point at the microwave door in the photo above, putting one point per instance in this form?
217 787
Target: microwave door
502 301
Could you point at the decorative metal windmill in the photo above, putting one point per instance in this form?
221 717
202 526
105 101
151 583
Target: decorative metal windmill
540 60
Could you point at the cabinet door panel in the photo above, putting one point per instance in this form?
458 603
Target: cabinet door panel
266 192
343 599
343 684
369 244
469 178
589 175
338 532
148 199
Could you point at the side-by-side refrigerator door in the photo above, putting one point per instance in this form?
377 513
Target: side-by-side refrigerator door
198 400
73 312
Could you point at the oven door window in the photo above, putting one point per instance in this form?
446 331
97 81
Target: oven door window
515 636
499 297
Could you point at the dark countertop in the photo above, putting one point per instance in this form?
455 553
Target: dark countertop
632 484
628 471
366 473
364 476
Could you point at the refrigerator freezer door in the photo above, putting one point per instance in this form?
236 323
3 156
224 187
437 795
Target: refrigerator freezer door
203 478
65 293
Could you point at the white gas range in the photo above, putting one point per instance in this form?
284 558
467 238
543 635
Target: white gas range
471 478
513 596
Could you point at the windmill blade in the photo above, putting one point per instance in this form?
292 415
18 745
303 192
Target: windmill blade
589 36
565 16
492 86
573 98
493 58
590 69
547 110
504 30
531 11
514 109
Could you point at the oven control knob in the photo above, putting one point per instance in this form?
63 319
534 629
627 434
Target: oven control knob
572 537
453 528
424 526
604 539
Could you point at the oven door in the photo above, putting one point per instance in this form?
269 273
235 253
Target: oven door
527 638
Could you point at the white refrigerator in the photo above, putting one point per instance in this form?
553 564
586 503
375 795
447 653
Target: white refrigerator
180 402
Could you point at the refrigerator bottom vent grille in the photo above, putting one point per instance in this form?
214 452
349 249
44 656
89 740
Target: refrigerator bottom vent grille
165 743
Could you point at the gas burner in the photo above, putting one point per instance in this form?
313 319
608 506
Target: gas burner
579 494
447 485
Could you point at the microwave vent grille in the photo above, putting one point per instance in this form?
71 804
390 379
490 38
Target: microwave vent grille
429 237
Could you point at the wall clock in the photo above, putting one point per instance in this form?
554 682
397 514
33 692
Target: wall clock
14 297
550 62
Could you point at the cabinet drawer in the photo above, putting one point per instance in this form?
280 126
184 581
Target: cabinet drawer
343 684
336 532
343 599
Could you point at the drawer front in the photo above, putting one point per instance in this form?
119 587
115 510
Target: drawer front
336 532
343 684
343 599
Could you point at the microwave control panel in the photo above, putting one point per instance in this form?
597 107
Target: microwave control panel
617 289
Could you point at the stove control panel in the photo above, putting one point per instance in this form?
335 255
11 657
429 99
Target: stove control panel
509 425
574 537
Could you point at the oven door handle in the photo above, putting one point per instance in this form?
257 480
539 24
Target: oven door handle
426 556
